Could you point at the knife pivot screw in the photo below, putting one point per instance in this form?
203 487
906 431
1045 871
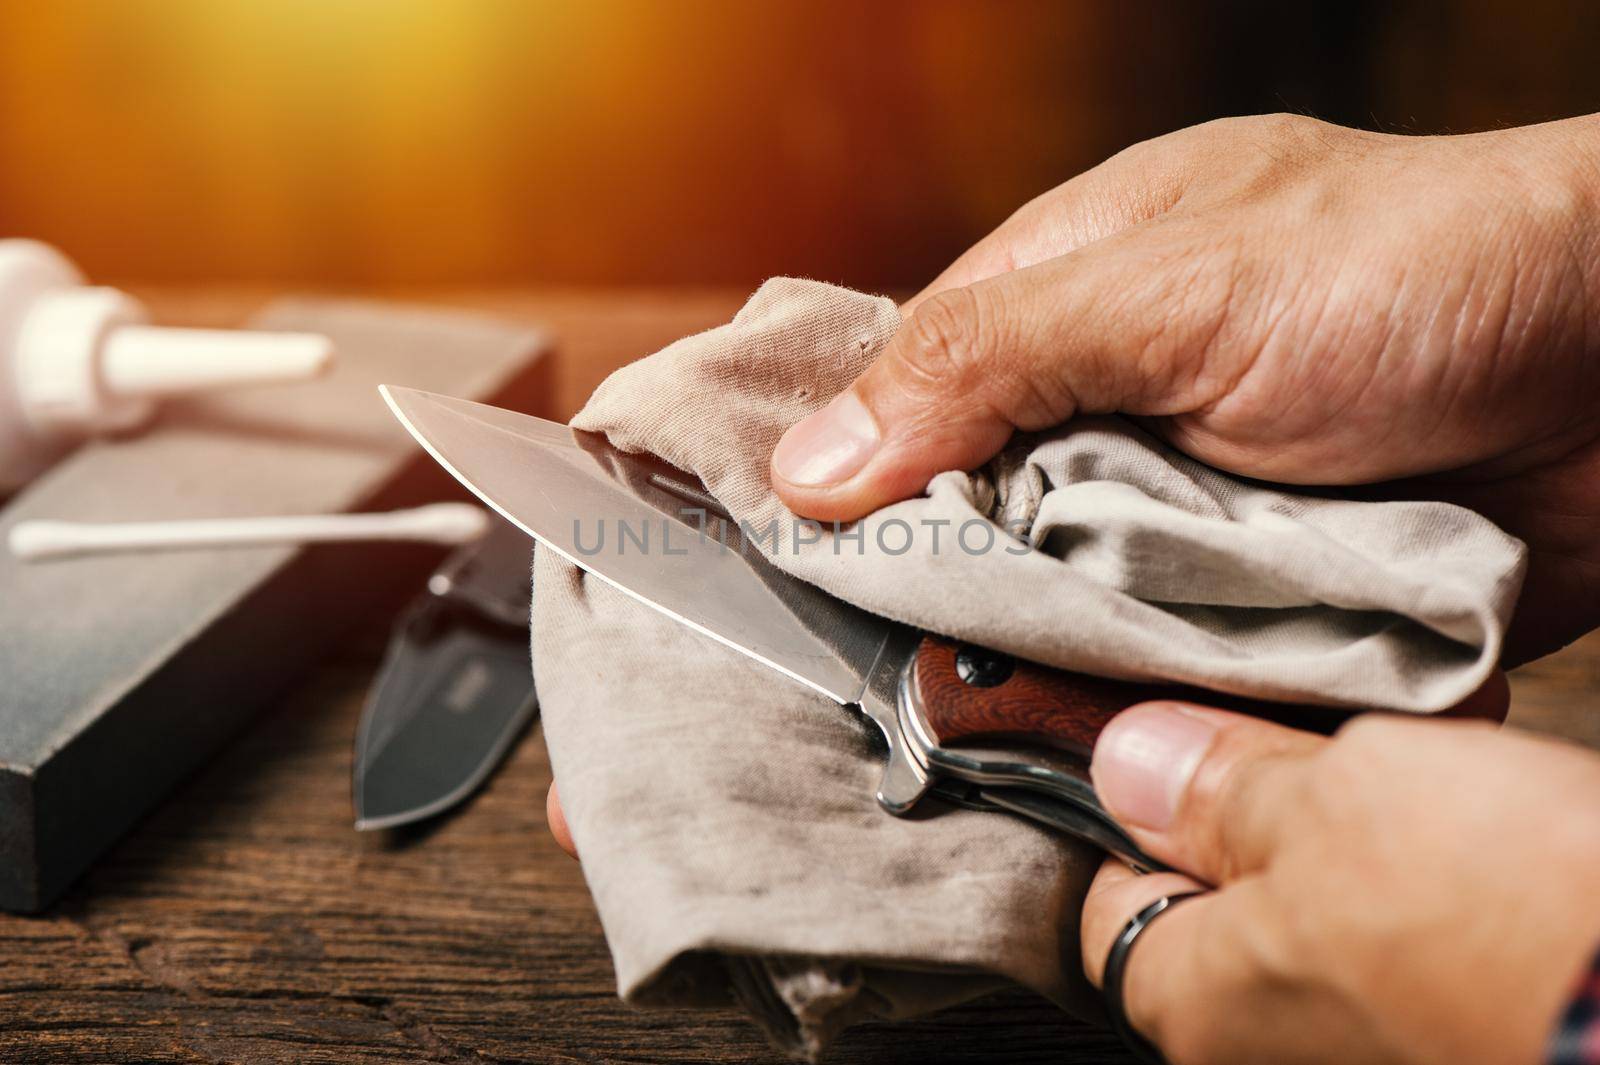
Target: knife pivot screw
982 668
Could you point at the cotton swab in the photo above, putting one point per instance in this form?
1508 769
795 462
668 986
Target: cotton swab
440 523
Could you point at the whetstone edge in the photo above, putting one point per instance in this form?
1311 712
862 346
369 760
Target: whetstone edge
121 675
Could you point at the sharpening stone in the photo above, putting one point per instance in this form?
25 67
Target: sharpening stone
120 675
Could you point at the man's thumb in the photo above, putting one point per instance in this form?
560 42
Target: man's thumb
920 409
1024 350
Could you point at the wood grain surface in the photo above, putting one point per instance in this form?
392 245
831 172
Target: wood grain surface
246 921
1067 710
1053 706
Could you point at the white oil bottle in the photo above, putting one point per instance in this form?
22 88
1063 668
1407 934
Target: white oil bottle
76 360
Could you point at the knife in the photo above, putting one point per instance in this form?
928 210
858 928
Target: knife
950 715
455 688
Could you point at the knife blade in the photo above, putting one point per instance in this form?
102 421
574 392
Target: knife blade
455 688
927 696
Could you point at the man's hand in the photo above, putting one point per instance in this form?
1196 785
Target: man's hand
556 819
1287 300
1297 302
1409 891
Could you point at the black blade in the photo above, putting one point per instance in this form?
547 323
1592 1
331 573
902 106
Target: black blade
455 689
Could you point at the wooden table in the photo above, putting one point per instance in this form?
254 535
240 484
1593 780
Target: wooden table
245 920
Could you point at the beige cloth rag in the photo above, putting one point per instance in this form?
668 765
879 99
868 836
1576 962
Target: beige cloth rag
724 814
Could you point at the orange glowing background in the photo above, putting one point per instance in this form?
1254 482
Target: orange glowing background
388 142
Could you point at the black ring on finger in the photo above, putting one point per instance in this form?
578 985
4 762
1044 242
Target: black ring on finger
1116 971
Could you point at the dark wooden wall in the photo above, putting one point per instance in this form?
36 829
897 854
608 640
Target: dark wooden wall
709 141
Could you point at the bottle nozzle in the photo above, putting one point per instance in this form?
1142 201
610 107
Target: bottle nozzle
78 360
86 361
149 362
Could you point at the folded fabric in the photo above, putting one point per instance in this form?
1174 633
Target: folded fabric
724 815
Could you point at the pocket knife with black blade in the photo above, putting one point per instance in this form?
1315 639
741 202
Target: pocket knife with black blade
962 723
455 689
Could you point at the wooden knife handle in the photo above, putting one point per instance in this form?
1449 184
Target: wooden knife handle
969 693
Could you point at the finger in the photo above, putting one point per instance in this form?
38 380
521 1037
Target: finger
1183 971
1209 792
1213 979
556 818
1116 894
1126 324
